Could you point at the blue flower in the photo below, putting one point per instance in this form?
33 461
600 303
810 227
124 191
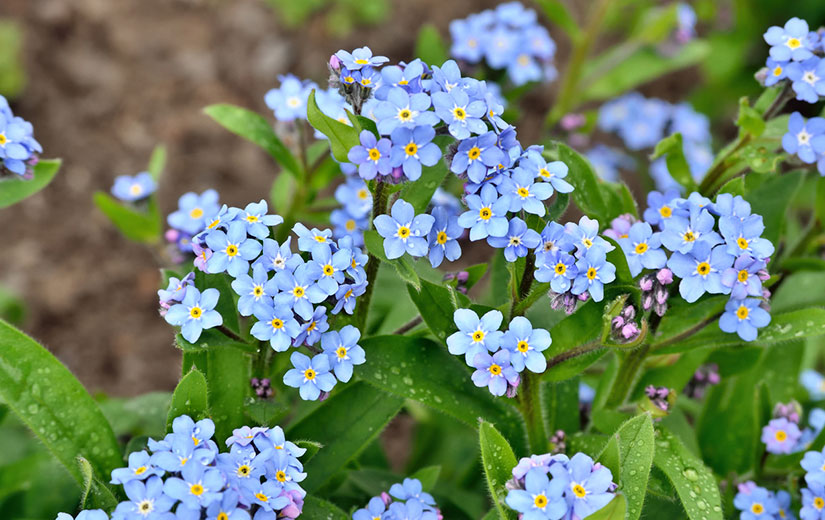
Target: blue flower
257 221
407 77
813 502
193 210
404 110
251 290
221 219
309 239
355 196
791 42
313 328
276 257
195 313
526 345
369 77
176 289
17 145
346 224
808 79
447 77
289 101
231 251
411 489
375 509
413 148
554 238
494 372
403 230
198 488
372 156
343 351
310 377
296 290
486 215
462 116
588 487
553 172
608 161
744 317
228 506
517 241
87 514
805 139
783 500
643 249
814 464
727 205
360 57
593 272
142 497
585 235
777 71
682 234
558 268
500 46
814 383
758 504
524 69
743 278
329 267
345 297
140 468
541 498
660 207
525 193
130 188
266 494
409 510
780 436
476 155
275 324
743 236
443 237
475 335
693 125
700 271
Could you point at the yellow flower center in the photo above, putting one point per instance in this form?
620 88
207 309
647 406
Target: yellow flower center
742 312
403 232
474 153
134 189
411 149
141 470
350 225
494 369
251 219
459 113
757 508
665 211
321 239
405 114
819 503
366 81
478 336
196 489
641 247
195 312
309 374
560 268
222 516
311 326
523 60
348 79
587 242
3 139
298 291
780 436
260 496
329 270
276 323
544 173
742 243
523 192
348 294
689 236
703 268
540 501
515 241
579 490
485 213
403 82
522 346
215 223
146 506
777 71
591 273
363 194
196 213
742 276
441 238
361 61
341 352
244 471
280 476
258 291
231 250
793 43
374 154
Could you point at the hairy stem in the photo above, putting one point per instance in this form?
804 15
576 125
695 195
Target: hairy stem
626 376
413 323
379 207
529 401
574 353
525 285
229 334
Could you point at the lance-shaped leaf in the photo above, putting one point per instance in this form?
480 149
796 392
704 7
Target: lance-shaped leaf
341 137
629 455
498 460
16 189
139 226
190 398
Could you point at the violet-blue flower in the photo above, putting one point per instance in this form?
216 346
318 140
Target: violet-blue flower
642 248
360 57
142 497
743 277
526 345
808 79
443 237
517 241
593 272
251 289
780 436
193 210
372 156
257 221
805 139
275 324
682 234
744 317
275 257
404 110
701 270
403 230
130 189
296 290
343 351
345 297
462 116
486 214
289 101
558 268
588 488
475 335
413 148
525 193
790 42
195 313
315 325
231 251
494 372
311 377
476 155
743 236
541 498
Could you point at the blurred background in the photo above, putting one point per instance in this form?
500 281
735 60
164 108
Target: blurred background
104 81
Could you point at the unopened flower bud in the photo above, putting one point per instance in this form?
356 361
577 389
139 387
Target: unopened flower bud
630 331
646 283
463 276
628 313
665 276
572 121
763 275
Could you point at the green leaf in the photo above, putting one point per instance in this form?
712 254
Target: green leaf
419 369
430 47
436 304
54 405
673 151
616 509
94 493
282 193
694 483
558 207
588 193
633 447
255 128
212 339
341 137
318 509
157 162
227 378
226 305
734 186
772 199
15 189
139 226
344 424
749 120
312 448
498 460
557 12
190 398
428 477
799 290
582 327
642 66
819 205
375 245
561 405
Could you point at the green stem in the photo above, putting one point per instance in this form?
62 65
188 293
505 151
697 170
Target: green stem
573 353
228 333
379 207
572 75
626 376
524 286
529 401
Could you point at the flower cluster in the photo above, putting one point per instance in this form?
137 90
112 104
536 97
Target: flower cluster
18 148
806 139
715 247
796 55
289 294
758 503
642 122
130 188
813 497
405 501
498 357
506 38
550 487
782 435
289 101
184 476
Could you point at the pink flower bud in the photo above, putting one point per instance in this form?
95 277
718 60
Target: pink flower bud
665 276
631 330
572 121
646 283
171 235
